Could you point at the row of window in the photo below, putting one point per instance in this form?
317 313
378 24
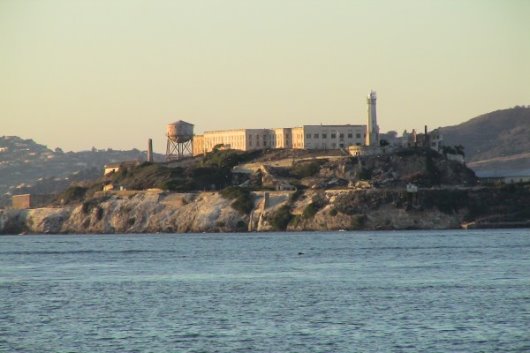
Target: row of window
266 137
260 140
265 143
257 143
324 145
257 137
222 139
333 136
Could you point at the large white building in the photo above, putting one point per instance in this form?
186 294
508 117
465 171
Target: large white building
313 137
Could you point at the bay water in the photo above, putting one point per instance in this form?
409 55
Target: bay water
407 291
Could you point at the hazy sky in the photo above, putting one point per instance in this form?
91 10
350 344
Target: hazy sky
112 73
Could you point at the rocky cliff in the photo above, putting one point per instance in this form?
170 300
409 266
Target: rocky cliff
138 212
312 210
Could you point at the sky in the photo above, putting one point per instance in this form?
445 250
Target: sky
112 73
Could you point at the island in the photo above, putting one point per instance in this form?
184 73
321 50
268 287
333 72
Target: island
411 187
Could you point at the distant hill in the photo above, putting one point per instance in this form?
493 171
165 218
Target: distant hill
496 143
27 166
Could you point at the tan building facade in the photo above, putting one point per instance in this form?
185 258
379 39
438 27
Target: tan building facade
197 145
325 137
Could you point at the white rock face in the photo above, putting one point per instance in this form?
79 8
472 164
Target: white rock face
153 212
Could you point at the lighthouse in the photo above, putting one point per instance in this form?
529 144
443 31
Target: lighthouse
372 130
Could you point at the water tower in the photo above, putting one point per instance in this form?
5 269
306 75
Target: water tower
179 140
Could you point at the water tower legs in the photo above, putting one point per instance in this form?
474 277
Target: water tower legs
178 150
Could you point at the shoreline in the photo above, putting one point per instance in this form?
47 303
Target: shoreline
242 233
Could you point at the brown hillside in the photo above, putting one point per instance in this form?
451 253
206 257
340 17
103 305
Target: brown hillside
494 136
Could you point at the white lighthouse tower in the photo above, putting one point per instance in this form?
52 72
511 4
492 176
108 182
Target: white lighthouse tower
372 130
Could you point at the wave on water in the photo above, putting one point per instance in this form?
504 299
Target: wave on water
80 252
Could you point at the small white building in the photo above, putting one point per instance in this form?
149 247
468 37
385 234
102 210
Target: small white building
116 167
412 188
111 168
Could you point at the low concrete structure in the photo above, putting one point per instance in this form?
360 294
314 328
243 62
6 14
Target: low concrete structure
30 201
506 179
455 157
361 151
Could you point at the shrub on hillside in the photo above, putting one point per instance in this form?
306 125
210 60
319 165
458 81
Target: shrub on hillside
227 159
149 175
206 178
365 174
243 201
73 194
281 218
310 210
447 201
358 221
296 194
306 169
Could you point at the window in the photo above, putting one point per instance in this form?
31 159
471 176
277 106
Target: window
308 136
350 136
315 136
341 136
333 136
324 136
357 135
